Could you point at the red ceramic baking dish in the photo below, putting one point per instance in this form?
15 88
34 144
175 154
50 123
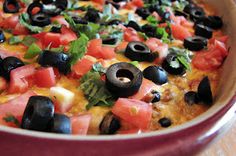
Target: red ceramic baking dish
186 139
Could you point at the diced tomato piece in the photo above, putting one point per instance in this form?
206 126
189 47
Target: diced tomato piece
121 47
67 35
131 35
20 30
223 39
222 47
138 3
94 48
61 20
145 88
82 67
5 53
211 59
16 106
3 84
10 22
136 112
52 39
45 77
9 124
99 1
57 73
80 124
157 45
19 79
180 32
107 53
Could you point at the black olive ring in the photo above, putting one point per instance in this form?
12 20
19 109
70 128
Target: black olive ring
40 19
14 3
38 113
116 77
203 31
196 43
34 5
138 51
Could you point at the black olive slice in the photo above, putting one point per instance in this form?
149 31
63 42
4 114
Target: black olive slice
172 65
114 4
62 4
79 20
2 37
149 30
142 12
38 113
40 19
155 7
156 74
165 17
203 31
110 124
92 15
196 14
156 97
138 51
57 60
134 25
204 91
47 1
8 64
123 79
196 43
165 122
117 1
60 124
11 6
214 22
181 13
110 41
114 22
56 29
189 7
191 98
33 6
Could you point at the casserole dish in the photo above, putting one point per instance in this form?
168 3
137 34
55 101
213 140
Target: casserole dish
186 139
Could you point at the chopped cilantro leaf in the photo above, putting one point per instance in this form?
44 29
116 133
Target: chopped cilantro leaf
135 63
28 40
78 48
95 90
14 40
24 20
90 30
183 56
12 119
152 20
32 51
97 67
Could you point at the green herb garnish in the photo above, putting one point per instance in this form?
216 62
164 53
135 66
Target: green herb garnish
32 51
14 40
152 20
12 119
97 67
24 20
78 48
28 40
95 90
183 57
